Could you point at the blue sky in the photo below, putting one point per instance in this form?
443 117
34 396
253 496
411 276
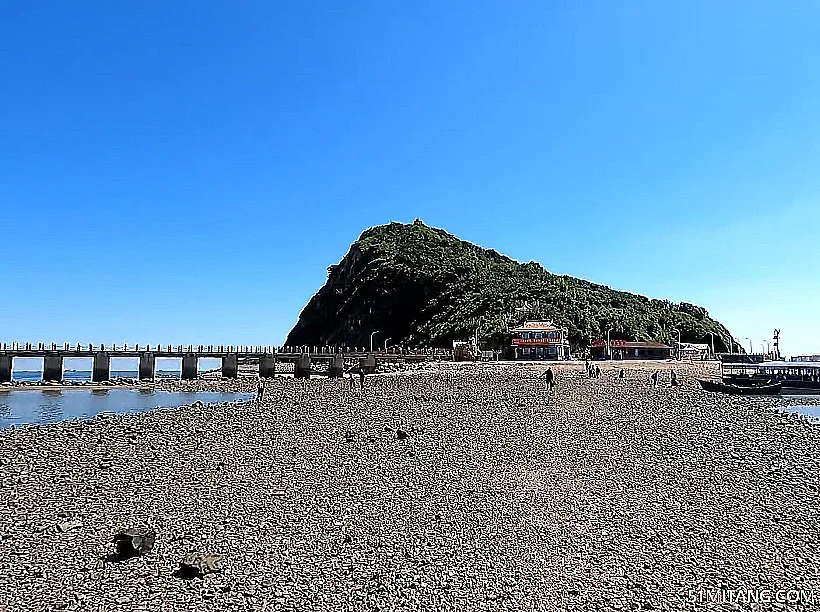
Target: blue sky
184 173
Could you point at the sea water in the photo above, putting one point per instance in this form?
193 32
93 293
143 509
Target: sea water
810 411
79 376
36 406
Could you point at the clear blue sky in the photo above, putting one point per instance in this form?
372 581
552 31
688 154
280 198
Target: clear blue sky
185 172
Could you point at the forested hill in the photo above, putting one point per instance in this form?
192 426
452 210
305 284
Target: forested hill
421 286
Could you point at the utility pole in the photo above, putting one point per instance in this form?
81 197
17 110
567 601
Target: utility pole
777 343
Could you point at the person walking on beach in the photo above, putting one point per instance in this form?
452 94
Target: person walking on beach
352 380
622 375
674 382
549 379
361 378
260 390
597 372
654 379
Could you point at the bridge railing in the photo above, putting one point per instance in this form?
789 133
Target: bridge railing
222 349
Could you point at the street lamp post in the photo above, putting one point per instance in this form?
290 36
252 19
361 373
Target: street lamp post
564 342
713 343
677 352
386 340
751 349
608 345
373 333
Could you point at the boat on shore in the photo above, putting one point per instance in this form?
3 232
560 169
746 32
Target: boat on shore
748 381
731 389
796 377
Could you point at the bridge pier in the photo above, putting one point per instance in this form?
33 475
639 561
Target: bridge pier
230 366
53 367
5 368
146 369
190 361
337 366
101 371
301 369
267 366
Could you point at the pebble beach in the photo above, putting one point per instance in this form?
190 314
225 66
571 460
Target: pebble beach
459 487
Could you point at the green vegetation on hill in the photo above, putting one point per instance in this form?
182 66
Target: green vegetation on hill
420 286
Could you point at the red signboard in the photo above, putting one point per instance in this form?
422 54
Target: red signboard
535 341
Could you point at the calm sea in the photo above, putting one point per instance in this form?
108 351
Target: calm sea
20 406
77 375
811 411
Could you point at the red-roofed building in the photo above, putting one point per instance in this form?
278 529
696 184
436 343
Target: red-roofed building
539 340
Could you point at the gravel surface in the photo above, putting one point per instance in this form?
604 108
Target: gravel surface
603 495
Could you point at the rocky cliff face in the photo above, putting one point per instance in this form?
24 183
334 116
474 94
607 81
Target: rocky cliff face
419 285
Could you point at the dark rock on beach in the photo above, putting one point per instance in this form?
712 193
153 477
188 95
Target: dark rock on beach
198 565
134 542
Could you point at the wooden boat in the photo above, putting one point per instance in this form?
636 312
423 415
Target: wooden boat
748 381
800 388
802 377
721 387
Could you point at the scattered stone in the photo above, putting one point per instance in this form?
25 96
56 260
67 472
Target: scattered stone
64 526
602 489
134 542
401 434
197 565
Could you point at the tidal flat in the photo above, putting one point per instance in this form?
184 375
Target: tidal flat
467 487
